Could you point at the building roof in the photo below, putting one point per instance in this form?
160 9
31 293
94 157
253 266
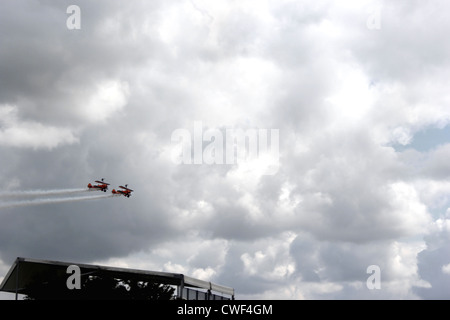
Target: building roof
26 271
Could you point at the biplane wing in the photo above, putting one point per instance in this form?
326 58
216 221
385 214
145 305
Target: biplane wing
125 192
102 185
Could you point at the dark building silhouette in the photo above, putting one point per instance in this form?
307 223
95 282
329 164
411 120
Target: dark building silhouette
53 280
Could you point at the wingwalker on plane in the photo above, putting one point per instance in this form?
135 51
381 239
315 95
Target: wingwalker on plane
126 192
102 185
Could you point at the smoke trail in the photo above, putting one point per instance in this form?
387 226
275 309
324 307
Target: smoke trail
40 193
25 203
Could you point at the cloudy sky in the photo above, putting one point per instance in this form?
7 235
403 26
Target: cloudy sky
357 92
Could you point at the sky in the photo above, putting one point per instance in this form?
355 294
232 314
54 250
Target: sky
349 199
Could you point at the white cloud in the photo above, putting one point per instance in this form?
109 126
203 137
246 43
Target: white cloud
339 93
174 267
433 262
353 98
408 215
15 132
109 98
272 262
205 274
446 269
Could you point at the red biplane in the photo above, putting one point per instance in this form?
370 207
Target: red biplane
102 185
126 191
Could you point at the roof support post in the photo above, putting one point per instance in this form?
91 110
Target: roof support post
180 288
17 279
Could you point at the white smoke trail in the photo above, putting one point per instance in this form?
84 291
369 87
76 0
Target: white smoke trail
40 193
25 203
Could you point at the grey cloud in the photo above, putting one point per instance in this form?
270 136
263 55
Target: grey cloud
344 197
432 261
